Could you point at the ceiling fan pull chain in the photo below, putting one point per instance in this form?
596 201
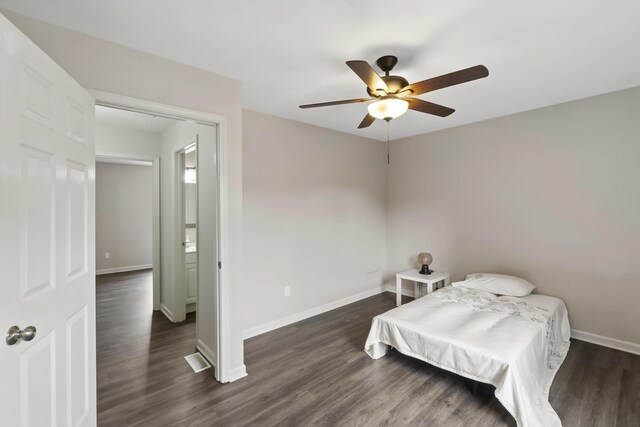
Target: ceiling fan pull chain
388 156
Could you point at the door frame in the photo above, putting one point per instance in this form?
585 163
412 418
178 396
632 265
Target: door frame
136 159
106 99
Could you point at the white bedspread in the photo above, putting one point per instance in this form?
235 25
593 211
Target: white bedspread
515 344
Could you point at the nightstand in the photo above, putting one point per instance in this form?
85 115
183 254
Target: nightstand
432 282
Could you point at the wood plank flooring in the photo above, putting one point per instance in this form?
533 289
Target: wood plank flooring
315 372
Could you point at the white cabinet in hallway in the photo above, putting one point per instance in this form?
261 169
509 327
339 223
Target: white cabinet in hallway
191 266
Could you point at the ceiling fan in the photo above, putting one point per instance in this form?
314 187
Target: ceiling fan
392 95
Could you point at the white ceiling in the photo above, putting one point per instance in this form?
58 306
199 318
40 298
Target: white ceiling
131 120
291 52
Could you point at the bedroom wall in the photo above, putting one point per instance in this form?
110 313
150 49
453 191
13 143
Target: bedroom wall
123 217
102 65
112 139
314 218
550 195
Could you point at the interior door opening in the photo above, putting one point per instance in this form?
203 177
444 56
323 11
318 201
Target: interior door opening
128 138
188 186
175 149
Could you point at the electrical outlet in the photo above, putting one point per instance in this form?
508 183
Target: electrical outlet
287 291
107 255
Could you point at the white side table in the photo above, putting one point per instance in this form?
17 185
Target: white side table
428 279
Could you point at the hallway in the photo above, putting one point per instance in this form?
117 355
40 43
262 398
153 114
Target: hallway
140 353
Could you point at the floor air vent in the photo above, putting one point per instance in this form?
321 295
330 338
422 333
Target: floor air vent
197 362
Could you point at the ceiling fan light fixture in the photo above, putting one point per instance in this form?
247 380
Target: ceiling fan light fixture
390 96
388 108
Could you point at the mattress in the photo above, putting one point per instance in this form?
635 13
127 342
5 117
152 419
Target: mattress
516 344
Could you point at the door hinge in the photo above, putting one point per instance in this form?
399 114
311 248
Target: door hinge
220 265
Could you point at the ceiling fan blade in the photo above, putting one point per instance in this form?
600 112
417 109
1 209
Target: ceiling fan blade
446 80
344 101
366 122
368 75
429 107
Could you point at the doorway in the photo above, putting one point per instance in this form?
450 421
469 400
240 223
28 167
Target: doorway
182 240
187 186
217 203
126 138
124 231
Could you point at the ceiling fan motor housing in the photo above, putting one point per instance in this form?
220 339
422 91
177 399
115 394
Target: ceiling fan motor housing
394 83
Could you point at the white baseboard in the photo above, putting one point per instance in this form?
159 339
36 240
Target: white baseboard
237 373
261 329
165 310
405 292
190 308
206 352
627 346
123 269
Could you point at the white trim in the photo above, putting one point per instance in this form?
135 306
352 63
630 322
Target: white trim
261 329
124 158
206 352
405 292
156 236
627 346
154 161
123 269
165 310
113 100
121 161
134 104
226 373
237 373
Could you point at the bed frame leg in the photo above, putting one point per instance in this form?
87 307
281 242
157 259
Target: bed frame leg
389 351
474 388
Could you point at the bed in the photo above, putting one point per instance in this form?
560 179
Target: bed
517 344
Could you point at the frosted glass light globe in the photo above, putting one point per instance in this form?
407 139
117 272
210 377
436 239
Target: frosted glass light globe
388 108
425 258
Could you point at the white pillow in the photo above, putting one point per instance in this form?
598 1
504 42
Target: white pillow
498 284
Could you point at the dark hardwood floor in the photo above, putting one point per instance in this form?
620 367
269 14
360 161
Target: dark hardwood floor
315 372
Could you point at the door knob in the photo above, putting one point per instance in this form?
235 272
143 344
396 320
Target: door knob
14 334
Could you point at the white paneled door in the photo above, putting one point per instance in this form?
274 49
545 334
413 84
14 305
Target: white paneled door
47 263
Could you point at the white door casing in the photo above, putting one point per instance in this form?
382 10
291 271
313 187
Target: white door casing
222 227
47 239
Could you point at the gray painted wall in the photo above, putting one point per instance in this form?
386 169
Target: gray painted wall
314 216
113 139
123 216
550 195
